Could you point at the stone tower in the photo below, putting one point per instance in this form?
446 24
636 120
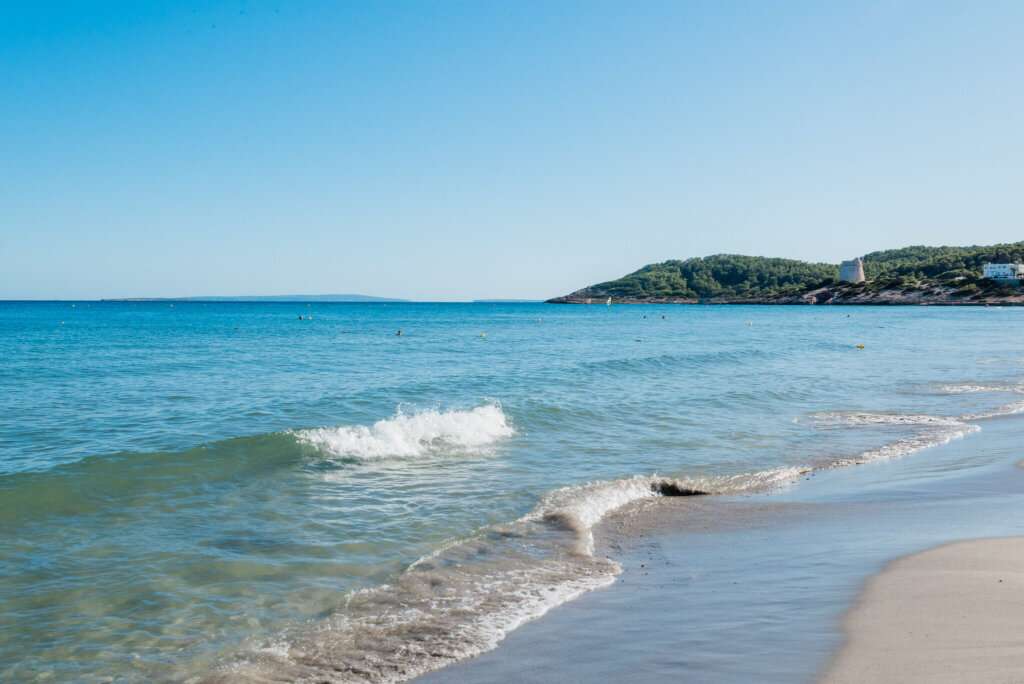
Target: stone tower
852 271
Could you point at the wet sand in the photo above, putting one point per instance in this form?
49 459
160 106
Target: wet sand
950 614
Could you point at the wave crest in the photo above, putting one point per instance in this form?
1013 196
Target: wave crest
1005 410
581 507
414 434
825 419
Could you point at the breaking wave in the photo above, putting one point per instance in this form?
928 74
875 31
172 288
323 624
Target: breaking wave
581 507
1005 410
827 419
944 434
973 388
414 434
931 430
464 598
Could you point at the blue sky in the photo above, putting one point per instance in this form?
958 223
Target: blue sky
455 150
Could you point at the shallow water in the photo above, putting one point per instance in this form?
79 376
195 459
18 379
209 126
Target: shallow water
754 588
224 491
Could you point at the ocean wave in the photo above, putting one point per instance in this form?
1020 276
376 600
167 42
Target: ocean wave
928 431
661 363
827 419
1005 410
581 507
132 480
931 430
465 597
975 388
462 599
407 435
945 433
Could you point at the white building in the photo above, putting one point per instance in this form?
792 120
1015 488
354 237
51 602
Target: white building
1014 272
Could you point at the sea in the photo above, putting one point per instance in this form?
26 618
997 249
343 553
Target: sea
369 492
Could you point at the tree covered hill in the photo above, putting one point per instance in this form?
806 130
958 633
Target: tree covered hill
939 262
738 277
718 275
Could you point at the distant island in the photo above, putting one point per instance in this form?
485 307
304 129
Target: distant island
264 298
911 275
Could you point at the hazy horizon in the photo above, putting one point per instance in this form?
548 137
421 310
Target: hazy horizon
326 297
457 152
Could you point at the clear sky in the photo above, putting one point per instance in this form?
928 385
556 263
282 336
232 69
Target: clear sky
455 150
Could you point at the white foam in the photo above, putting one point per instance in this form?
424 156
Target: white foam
588 503
416 434
932 430
743 483
584 506
970 388
534 600
854 418
1006 410
903 447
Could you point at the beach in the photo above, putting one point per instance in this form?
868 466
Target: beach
511 343
951 614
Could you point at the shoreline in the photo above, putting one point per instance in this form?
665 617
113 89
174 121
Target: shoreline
755 587
948 614
794 301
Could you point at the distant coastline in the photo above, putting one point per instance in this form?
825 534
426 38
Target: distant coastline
834 295
921 276
295 298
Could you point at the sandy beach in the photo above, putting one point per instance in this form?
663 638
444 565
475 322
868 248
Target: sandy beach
950 614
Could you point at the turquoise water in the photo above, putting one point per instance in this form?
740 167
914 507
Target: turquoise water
227 491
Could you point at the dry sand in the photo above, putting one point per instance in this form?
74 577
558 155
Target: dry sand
951 614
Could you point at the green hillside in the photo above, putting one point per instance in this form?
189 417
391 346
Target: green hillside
942 263
737 276
718 275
